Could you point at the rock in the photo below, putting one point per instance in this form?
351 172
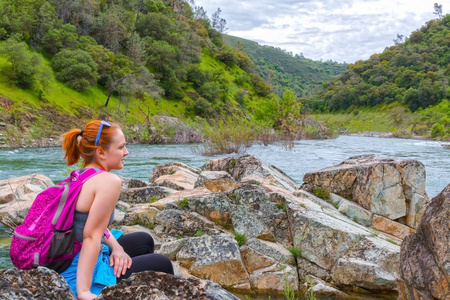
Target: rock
216 181
129 183
144 194
250 166
388 226
174 223
425 254
214 206
352 210
372 264
215 257
258 214
323 290
386 187
177 176
156 285
33 284
23 188
322 239
273 279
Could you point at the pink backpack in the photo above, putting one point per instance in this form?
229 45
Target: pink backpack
47 234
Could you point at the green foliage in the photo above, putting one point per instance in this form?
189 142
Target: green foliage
229 136
322 193
153 199
24 65
392 241
184 203
310 295
288 291
240 238
63 37
76 68
199 233
296 252
413 73
282 69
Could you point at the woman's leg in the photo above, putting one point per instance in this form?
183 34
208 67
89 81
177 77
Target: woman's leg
149 262
140 246
137 243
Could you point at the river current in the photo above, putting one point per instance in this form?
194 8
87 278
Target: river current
306 156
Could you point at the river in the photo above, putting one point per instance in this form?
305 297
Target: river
307 155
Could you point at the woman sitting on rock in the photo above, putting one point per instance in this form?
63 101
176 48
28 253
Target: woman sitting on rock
105 257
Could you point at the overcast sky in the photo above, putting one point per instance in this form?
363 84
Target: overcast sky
340 30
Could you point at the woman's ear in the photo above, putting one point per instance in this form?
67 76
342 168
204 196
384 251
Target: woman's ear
100 153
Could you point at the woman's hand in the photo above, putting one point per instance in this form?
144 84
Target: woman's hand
120 260
86 295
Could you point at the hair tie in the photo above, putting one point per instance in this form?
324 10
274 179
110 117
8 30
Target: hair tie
81 133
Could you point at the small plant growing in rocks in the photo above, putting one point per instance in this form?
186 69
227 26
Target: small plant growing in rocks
240 238
322 193
183 203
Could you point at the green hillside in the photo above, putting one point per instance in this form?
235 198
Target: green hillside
409 80
280 69
64 62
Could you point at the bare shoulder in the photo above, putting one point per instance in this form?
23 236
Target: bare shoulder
107 178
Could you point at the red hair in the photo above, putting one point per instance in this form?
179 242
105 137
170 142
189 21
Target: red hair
85 148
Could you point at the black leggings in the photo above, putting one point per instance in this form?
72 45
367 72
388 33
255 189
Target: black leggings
140 246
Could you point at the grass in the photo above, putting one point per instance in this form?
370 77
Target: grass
199 233
296 252
392 241
184 203
153 199
322 193
240 238
374 232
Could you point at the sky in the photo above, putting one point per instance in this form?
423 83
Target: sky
337 30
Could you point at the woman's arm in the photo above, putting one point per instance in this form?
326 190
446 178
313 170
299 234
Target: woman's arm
119 258
106 190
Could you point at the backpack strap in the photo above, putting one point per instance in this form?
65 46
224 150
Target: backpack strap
88 173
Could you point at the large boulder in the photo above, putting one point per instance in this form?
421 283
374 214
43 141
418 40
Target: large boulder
43 283
387 187
247 167
23 188
40 283
161 286
425 254
177 176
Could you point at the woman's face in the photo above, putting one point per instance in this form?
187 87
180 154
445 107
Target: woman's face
115 154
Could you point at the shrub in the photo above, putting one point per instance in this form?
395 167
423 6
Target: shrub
76 68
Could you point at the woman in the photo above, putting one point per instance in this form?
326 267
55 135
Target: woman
102 145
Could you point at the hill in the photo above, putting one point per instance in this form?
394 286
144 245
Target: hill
65 62
411 77
281 69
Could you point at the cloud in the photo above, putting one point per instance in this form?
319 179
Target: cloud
343 31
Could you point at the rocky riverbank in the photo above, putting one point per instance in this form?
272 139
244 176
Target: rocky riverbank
251 229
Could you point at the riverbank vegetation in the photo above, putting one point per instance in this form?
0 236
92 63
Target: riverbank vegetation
63 63
407 84
167 73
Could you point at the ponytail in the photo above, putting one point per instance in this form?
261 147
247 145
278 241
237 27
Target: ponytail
71 146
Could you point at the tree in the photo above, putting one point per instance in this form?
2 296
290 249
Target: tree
76 68
438 11
23 65
218 23
63 36
113 27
